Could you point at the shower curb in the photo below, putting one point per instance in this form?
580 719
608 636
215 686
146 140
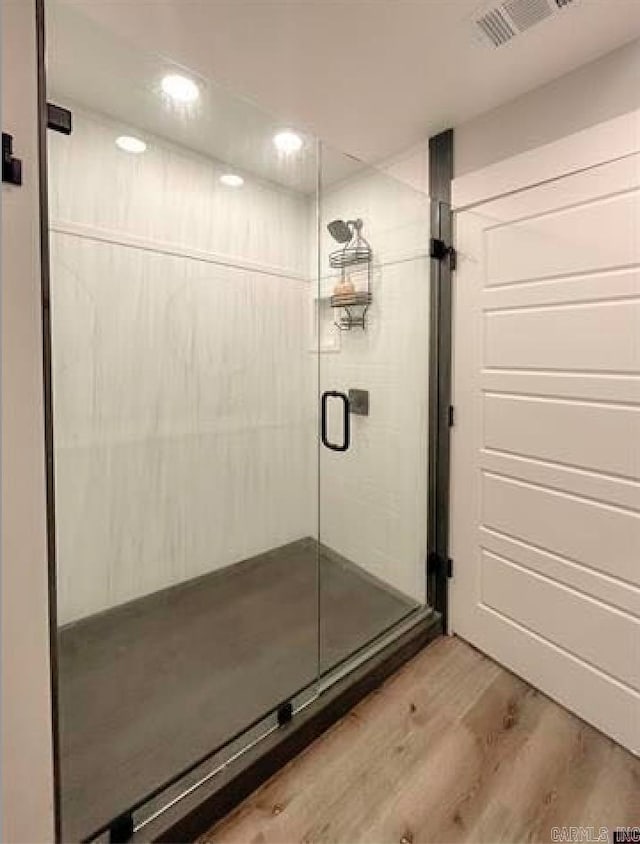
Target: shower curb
197 813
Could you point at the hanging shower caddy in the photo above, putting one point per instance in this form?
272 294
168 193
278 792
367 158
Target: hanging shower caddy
354 259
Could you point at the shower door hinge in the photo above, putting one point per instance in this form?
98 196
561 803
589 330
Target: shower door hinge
11 166
451 419
439 250
285 713
59 119
438 565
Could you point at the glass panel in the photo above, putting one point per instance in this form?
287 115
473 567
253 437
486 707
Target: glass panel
185 417
374 315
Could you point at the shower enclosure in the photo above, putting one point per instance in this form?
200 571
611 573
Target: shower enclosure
240 418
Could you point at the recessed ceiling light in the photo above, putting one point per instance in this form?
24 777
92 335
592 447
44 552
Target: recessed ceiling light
287 141
130 144
180 88
232 180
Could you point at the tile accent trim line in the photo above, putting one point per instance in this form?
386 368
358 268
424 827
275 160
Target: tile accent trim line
116 238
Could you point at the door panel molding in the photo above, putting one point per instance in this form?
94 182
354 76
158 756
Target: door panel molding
545 523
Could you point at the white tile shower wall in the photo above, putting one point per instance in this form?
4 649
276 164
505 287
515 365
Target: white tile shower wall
184 390
395 216
373 506
172 195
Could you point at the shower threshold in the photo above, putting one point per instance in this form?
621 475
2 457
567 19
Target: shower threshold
148 687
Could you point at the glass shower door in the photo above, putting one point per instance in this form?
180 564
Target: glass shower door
185 423
374 373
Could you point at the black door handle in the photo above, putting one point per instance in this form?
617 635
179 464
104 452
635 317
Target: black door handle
333 394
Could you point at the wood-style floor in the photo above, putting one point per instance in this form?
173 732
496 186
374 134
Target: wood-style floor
147 688
453 748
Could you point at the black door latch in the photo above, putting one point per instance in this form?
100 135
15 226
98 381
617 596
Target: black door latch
11 167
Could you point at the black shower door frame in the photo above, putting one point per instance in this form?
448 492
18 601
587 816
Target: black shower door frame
277 746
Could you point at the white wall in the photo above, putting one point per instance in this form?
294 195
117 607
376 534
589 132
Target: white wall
184 387
411 167
184 384
598 91
373 506
26 768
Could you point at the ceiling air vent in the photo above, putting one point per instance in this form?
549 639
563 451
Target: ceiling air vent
496 27
500 22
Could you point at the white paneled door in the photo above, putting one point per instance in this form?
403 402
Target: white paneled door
546 448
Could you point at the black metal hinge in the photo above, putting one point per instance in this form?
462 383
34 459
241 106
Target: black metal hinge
11 167
285 713
438 565
439 250
59 119
451 416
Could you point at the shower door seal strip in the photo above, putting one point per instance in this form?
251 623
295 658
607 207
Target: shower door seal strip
268 727
378 644
214 773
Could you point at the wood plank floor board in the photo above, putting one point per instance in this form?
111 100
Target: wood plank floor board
453 748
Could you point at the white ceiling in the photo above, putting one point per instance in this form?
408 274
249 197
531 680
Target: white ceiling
372 77
90 67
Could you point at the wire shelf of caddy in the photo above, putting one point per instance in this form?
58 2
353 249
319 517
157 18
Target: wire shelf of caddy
352 293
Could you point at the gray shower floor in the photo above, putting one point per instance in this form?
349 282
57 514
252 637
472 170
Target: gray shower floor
147 688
